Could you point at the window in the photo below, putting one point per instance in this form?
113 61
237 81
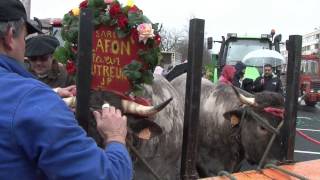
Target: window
317 36
316 46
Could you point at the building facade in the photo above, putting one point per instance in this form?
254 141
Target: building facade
311 43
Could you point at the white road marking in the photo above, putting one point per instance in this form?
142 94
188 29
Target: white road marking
312 130
306 152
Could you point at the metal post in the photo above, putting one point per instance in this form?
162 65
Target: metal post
84 60
192 99
292 93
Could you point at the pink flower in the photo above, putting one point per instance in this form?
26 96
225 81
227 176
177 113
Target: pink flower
108 1
145 32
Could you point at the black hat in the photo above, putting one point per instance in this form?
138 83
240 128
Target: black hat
41 45
13 10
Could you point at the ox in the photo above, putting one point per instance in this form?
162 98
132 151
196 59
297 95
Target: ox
226 137
164 128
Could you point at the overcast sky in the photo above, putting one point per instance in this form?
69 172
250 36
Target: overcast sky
251 17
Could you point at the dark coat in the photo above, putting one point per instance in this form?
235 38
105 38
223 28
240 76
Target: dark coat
271 83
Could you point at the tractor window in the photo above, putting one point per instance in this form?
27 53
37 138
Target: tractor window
241 47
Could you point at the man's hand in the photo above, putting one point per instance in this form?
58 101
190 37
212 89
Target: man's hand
67 91
111 125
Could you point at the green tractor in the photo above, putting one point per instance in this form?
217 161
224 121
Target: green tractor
234 48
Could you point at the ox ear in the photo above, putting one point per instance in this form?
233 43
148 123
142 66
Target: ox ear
144 129
233 116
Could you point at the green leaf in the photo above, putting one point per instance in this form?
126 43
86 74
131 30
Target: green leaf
135 65
96 3
61 55
121 33
105 19
147 77
135 18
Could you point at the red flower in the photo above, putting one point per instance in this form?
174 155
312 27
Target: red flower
157 39
84 4
115 9
122 21
135 34
133 9
71 67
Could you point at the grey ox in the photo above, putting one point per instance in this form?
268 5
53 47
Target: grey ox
226 137
154 131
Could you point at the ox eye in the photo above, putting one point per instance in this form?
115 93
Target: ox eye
262 129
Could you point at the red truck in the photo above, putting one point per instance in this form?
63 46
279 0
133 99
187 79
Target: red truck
310 79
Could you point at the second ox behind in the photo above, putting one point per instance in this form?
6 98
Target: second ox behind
234 127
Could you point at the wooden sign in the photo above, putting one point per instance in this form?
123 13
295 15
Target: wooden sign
110 55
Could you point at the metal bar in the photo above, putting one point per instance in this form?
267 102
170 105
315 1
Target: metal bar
192 99
84 60
292 92
285 171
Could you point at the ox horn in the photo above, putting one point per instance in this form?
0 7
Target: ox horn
135 108
70 101
243 99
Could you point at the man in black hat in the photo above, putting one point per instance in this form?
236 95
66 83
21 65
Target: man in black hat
39 136
39 50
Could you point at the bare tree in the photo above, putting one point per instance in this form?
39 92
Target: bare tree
170 39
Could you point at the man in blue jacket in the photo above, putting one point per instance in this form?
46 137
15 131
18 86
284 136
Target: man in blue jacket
39 136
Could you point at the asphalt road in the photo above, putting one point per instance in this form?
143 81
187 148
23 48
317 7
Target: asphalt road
308 122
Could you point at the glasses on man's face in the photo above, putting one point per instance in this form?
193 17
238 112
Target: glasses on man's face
43 58
267 70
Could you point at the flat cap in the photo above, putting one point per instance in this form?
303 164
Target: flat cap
13 10
41 45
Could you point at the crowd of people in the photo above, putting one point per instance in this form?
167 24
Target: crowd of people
234 75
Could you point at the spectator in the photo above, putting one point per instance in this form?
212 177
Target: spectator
239 74
227 74
39 50
39 136
268 82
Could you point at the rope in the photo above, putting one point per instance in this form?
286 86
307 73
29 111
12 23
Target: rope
227 174
135 151
269 146
308 138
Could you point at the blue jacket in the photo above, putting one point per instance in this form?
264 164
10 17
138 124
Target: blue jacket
41 139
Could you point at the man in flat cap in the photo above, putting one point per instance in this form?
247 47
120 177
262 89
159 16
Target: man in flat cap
39 51
39 135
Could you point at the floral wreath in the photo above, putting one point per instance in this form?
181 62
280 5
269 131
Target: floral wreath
126 20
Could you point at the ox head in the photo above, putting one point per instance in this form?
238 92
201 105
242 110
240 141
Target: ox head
258 119
139 116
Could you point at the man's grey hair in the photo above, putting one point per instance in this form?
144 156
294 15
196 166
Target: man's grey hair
15 25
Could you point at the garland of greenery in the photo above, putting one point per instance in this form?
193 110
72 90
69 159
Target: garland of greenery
126 20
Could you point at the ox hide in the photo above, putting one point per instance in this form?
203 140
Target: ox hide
222 145
163 151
